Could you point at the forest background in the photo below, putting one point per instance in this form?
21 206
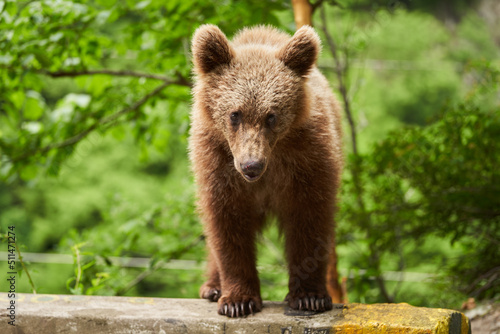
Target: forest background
94 120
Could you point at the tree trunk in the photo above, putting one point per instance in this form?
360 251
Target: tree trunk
302 12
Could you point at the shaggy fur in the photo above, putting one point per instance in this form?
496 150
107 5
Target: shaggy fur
265 140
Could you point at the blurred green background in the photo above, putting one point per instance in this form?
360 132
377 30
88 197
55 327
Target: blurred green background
94 120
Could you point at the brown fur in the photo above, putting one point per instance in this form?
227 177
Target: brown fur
248 164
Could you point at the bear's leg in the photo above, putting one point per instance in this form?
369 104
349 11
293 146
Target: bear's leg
231 239
308 229
211 288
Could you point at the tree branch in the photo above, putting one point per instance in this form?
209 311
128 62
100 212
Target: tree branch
123 73
491 281
340 72
105 120
315 5
302 12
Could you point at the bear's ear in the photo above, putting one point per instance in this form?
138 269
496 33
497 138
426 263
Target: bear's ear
210 49
301 52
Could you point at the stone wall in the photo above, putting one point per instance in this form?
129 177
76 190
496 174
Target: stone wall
44 314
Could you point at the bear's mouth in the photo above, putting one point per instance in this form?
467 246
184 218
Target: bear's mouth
252 176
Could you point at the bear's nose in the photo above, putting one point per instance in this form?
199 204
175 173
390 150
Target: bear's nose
252 169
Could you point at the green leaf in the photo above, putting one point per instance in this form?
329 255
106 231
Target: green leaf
6 59
29 172
118 132
33 108
33 127
98 84
142 4
17 98
80 100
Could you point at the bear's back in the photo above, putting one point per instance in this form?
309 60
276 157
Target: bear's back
261 35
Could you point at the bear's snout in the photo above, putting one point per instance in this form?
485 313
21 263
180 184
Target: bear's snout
252 169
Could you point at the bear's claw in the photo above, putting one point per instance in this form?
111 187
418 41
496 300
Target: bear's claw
310 302
212 294
241 308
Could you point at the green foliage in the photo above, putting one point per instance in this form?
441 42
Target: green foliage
386 217
453 186
169 231
442 9
124 57
435 180
16 261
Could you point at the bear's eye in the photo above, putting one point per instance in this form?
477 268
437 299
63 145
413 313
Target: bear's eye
235 118
271 120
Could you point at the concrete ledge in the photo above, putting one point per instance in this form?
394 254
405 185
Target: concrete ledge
41 314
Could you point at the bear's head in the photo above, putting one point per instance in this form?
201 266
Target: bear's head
254 93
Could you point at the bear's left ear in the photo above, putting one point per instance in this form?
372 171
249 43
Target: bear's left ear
301 52
210 48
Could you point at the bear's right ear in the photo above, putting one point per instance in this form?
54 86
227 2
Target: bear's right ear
211 49
301 52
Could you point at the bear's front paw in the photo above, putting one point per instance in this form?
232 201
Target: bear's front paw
317 302
212 293
239 306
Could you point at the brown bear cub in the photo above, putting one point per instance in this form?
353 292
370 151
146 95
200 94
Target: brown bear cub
265 140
